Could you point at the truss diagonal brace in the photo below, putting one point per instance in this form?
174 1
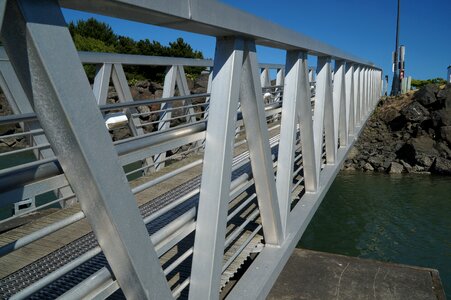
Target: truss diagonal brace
47 63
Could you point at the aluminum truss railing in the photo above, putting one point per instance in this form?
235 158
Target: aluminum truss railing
111 65
49 69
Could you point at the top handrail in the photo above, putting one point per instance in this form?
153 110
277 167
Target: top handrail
214 19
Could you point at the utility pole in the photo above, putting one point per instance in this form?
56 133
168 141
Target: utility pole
395 83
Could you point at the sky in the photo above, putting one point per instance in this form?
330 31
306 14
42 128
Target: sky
364 28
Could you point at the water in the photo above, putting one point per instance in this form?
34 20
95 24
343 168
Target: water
27 157
403 219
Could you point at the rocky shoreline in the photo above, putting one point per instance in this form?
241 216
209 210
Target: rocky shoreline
407 134
141 90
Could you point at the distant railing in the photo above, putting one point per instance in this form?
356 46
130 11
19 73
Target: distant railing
252 204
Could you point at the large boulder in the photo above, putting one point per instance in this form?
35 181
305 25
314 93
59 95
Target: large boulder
376 161
389 115
419 150
415 112
201 81
427 95
445 133
368 167
395 168
353 153
154 86
441 117
424 144
442 166
444 96
443 149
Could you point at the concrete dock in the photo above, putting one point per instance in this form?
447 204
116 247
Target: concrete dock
318 275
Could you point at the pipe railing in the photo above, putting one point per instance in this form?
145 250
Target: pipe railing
315 135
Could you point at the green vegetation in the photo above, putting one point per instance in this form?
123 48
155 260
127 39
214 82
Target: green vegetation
92 35
419 83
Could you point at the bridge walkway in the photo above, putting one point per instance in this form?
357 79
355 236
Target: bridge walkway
38 259
235 205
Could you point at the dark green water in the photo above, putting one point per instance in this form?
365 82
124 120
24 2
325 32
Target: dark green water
404 219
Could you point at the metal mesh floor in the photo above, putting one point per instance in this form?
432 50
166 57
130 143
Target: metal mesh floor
46 265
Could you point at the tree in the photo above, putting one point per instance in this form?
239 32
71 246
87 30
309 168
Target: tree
419 83
92 35
93 29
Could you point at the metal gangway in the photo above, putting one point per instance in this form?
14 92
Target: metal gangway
207 195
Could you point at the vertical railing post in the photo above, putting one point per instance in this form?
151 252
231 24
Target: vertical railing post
323 113
350 110
216 173
264 77
257 137
339 101
77 133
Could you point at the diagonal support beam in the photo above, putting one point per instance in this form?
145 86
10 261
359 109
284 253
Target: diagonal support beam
66 108
182 85
102 82
166 107
296 108
257 137
216 172
323 117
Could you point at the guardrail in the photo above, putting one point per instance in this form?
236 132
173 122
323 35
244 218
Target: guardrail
287 175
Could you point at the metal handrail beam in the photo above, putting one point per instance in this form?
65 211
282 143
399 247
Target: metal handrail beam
202 17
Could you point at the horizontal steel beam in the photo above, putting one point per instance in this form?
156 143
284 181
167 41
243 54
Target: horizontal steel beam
143 60
211 18
131 59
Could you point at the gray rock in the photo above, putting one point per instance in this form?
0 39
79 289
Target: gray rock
201 81
158 94
395 168
154 86
444 96
143 84
424 161
443 149
389 115
441 117
368 167
415 112
424 144
442 166
427 94
445 133
376 161
407 166
143 109
418 169
418 150
353 153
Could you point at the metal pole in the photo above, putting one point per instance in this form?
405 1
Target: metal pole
395 83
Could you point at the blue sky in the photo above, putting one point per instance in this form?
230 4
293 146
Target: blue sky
364 28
